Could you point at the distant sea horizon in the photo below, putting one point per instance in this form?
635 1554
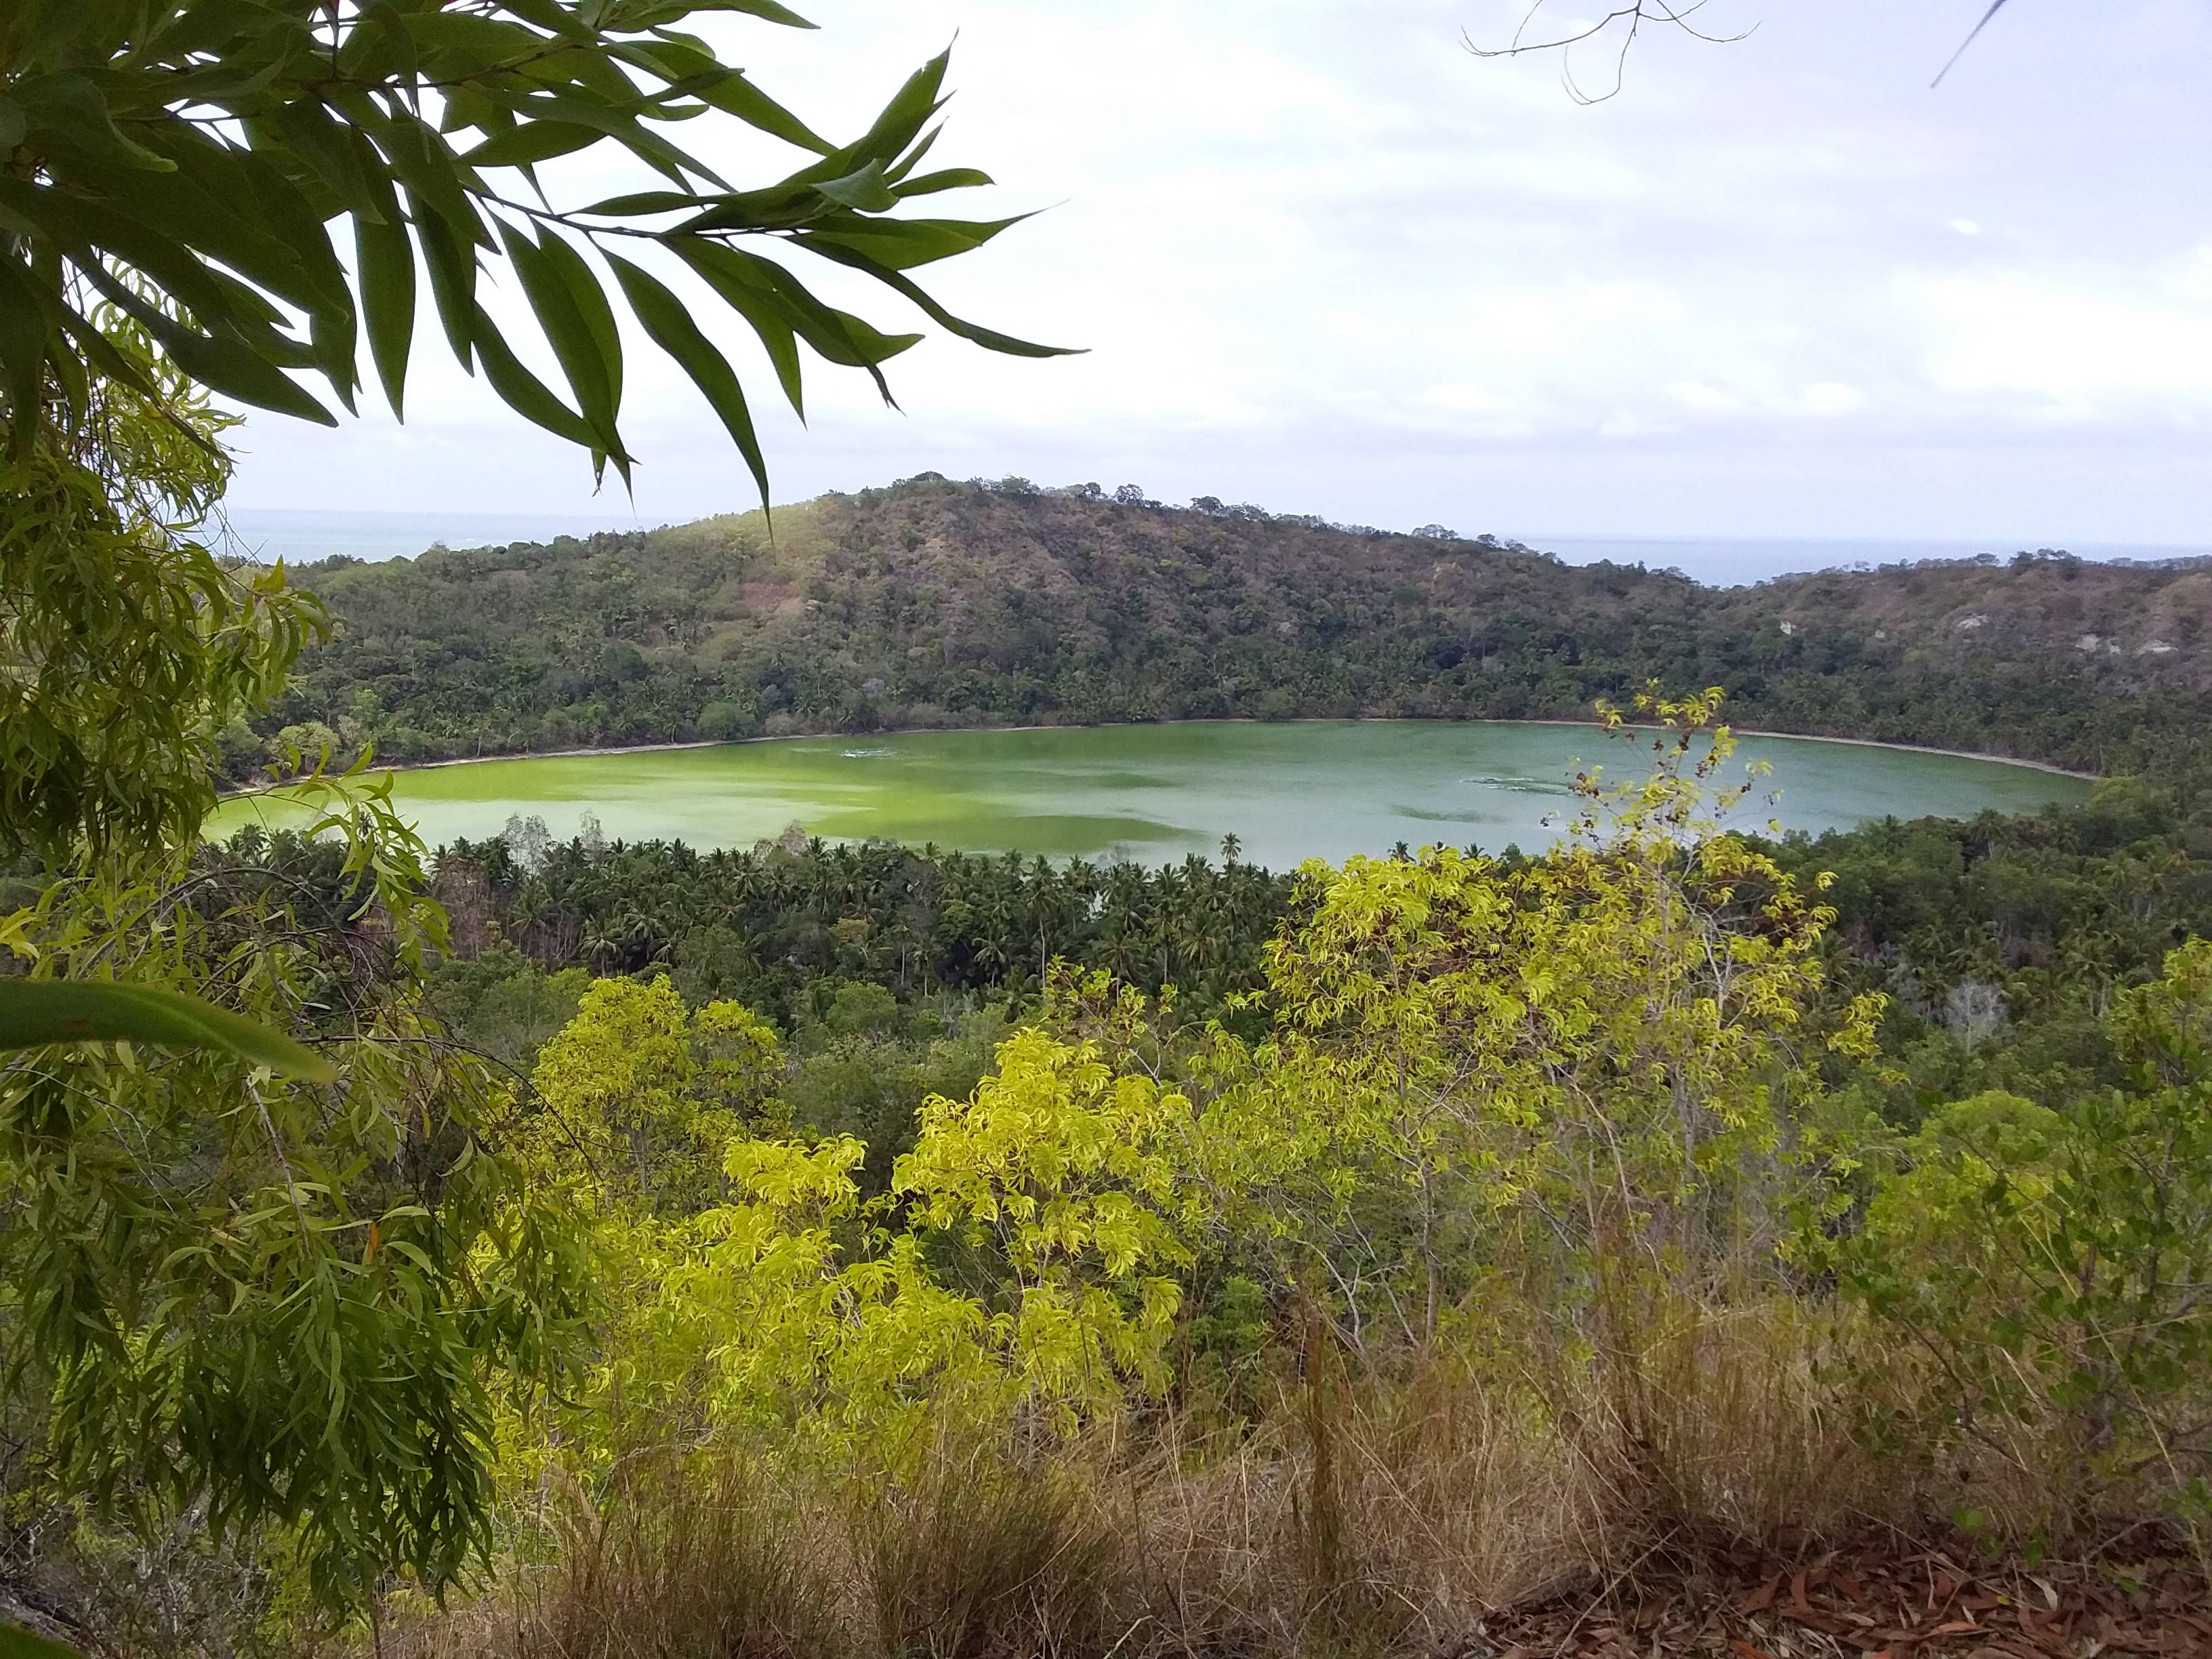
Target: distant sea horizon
304 536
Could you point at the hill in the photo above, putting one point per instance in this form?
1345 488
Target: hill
934 603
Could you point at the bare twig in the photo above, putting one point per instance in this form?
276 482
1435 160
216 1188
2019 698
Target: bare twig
1996 6
1634 16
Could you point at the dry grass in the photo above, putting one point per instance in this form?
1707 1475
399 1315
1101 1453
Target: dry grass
1357 1516
684 1558
1722 1425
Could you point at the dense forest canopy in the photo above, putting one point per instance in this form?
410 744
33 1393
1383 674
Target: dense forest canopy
830 1251
935 603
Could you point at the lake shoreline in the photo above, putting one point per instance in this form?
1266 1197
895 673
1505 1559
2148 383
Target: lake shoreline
604 750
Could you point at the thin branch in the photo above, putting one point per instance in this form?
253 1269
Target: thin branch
1635 15
1996 6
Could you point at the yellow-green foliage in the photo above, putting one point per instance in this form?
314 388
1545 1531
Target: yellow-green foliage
1025 1257
641 1095
1606 1040
1474 1068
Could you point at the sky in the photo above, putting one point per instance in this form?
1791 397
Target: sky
1324 258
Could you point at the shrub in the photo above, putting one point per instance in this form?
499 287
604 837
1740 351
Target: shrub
2046 1270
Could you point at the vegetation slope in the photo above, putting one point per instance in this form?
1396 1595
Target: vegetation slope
934 603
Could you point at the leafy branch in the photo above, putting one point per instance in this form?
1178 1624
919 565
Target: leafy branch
190 170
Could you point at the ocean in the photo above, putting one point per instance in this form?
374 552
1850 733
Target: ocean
1739 560
302 537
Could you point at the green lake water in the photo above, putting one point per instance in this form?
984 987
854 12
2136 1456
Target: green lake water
1288 791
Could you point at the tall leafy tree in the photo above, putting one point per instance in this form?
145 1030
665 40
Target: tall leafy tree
292 1279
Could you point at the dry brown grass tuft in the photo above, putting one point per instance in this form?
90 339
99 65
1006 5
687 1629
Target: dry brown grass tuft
1357 1516
685 1558
1719 1423
980 1559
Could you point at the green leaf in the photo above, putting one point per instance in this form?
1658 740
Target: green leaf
763 311
386 258
703 76
12 126
453 267
329 149
903 244
641 204
768 10
36 1013
425 163
863 191
672 330
521 390
225 363
929 183
746 279
906 114
567 301
990 339
530 142
591 303
68 107
22 355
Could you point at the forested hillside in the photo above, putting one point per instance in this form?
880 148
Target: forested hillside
932 603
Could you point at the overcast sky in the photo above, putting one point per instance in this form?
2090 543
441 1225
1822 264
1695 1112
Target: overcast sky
1327 260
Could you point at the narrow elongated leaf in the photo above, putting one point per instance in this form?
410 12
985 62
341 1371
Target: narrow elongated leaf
905 116
763 312
81 230
670 326
530 142
622 124
768 10
899 170
328 148
270 206
848 341
379 46
944 179
863 190
903 244
453 267
705 77
523 392
67 107
426 167
223 362
385 257
36 1013
591 302
588 349
555 19
485 38
990 339
23 355
641 204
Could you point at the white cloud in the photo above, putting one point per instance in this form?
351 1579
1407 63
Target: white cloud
1326 259
1696 394
2073 336
1832 397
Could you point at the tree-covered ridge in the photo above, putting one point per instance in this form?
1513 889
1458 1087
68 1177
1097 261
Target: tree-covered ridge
934 603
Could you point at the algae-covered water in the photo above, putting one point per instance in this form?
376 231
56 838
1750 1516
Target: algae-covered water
1287 792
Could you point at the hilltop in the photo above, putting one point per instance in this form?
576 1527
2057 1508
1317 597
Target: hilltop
934 603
